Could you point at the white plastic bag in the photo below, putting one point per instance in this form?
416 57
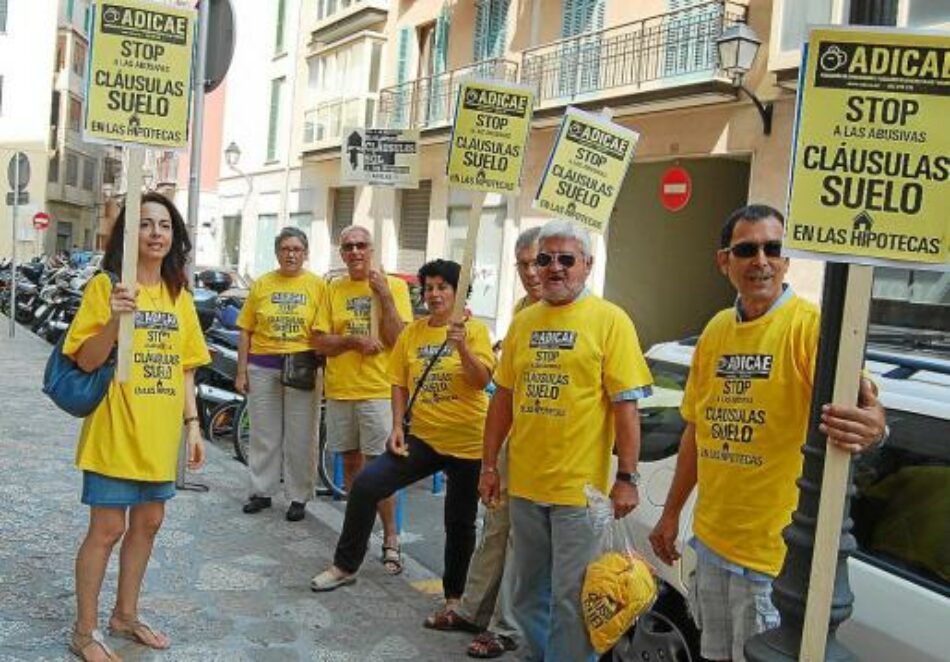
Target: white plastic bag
618 584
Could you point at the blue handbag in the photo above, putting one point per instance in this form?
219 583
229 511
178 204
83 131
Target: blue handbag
71 388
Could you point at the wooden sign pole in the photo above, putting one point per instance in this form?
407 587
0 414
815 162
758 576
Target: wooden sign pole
375 311
468 257
130 257
837 465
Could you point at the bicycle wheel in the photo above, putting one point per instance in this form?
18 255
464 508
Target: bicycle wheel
241 432
221 421
326 468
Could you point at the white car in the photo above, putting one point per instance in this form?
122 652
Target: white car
900 574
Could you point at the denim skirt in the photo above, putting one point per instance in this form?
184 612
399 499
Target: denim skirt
100 490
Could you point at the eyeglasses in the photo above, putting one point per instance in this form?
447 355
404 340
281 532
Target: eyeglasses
354 246
747 249
566 260
524 265
292 250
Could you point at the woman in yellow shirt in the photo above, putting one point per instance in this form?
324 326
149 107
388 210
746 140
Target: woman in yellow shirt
128 446
277 321
445 432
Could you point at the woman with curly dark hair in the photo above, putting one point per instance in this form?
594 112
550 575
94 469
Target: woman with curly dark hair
128 446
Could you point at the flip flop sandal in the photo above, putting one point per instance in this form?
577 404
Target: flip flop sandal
489 645
138 631
449 621
392 560
81 642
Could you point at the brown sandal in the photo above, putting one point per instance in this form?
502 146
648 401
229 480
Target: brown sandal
81 642
449 621
489 645
137 630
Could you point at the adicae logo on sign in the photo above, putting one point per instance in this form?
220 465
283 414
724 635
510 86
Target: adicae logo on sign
40 220
676 188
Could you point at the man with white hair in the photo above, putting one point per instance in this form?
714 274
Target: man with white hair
359 413
570 375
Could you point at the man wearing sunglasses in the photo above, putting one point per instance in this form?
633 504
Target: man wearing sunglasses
746 406
570 374
358 413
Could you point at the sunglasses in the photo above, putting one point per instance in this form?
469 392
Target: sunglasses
354 246
747 249
566 260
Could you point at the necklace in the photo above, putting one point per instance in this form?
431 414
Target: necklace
156 305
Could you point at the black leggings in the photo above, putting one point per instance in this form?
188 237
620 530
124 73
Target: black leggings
387 473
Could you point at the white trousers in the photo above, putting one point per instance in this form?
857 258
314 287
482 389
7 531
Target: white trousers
284 421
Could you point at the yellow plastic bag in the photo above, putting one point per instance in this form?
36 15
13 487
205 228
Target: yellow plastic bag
618 584
617 589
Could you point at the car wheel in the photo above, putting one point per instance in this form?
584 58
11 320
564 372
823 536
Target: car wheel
666 633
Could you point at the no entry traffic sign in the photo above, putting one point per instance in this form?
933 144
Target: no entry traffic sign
676 187
40 220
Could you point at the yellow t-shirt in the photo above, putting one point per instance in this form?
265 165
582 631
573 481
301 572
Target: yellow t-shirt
563 365
351 375
449 413
136 430
281 312
748 394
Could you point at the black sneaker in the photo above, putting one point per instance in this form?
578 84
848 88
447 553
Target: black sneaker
296 511
256 504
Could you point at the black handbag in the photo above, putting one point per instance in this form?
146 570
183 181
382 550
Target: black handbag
299 370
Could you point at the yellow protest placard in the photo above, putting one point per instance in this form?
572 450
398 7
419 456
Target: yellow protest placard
586 169
139 79
488 137
872 151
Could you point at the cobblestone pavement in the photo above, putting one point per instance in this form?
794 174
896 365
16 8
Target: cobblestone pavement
223 585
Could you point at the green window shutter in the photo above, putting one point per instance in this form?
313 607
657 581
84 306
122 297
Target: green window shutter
498 27
440 56
276 87
482 11
279 37
69 10
402 66
568 18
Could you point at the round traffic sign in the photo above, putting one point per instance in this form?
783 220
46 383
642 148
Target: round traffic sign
18 171
40 220
676 188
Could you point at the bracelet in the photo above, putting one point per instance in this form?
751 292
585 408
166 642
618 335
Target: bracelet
189 419
489 470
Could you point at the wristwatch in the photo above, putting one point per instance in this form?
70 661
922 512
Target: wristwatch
632 477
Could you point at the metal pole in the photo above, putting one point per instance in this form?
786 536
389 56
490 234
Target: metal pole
16 206
194 185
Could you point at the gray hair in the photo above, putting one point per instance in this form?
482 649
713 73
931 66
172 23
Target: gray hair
527 239
563 229
290 232
353 228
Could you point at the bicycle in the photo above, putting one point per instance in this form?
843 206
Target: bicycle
326 468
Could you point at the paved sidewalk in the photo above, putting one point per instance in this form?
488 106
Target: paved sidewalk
225 586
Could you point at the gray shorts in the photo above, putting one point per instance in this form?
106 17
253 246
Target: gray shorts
358 425
728 609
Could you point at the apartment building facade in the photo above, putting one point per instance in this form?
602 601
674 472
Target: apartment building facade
653 64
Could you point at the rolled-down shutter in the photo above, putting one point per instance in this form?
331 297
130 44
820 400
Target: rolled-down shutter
414 227
344 202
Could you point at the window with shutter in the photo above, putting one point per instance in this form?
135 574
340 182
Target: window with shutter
413 227
3 15
690 36
581 58
276 91
439 95
402 99
344 202
264 258
491 28
279 37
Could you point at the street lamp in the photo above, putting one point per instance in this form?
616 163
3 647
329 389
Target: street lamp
232 154
737 47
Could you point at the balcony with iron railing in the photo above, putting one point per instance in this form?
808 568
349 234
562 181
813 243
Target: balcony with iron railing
323 125
663 51
429 102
